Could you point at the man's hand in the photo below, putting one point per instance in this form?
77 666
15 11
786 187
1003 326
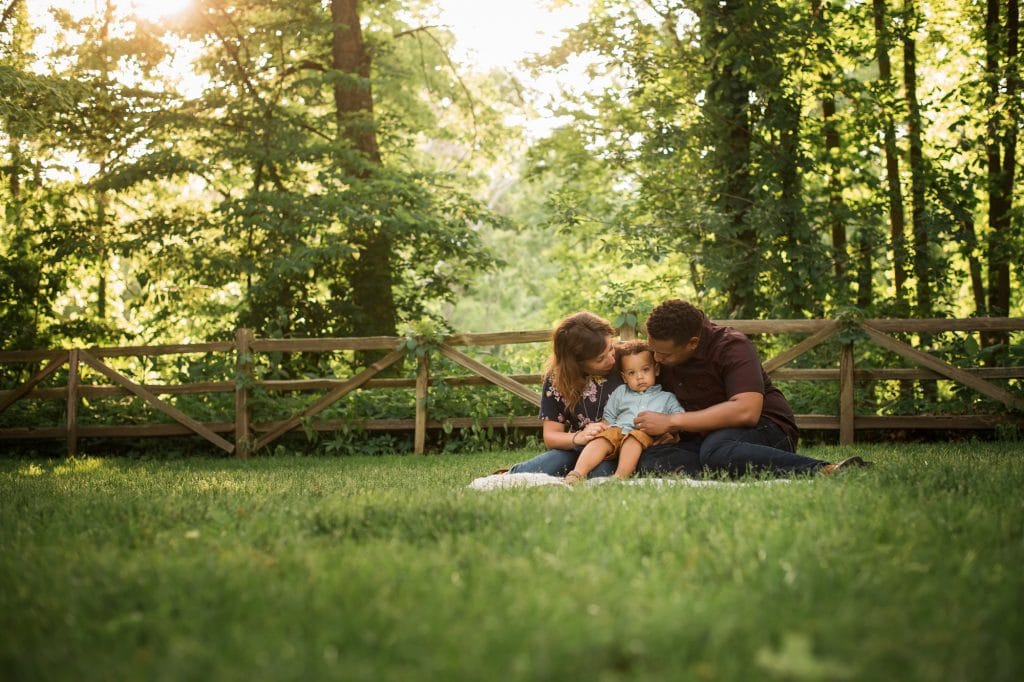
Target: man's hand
742 410
653 423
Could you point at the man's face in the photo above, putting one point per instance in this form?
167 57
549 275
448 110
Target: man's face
670 353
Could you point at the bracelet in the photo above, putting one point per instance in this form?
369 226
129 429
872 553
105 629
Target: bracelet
574 438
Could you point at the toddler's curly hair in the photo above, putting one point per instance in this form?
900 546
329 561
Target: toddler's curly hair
634 347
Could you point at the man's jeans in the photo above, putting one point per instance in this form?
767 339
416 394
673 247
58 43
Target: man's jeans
764 448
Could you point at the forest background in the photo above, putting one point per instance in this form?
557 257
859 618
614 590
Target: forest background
329 168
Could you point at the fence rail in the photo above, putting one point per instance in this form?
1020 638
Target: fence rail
248 436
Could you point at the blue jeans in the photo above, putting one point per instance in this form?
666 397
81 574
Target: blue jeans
559 463
764 448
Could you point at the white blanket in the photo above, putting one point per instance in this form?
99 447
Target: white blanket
500 481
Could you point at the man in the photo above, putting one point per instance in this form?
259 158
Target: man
735 420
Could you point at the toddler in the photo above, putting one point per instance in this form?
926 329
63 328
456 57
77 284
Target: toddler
640 392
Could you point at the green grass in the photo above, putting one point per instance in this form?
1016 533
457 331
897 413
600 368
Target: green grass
391 569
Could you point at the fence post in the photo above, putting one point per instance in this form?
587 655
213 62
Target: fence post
846 405
72 419
422 382
243 380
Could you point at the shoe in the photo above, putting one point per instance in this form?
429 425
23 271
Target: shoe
848 463
500 471
573 477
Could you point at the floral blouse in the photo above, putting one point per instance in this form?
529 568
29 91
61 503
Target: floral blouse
589 408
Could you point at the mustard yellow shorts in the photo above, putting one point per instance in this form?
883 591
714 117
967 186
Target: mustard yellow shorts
615 436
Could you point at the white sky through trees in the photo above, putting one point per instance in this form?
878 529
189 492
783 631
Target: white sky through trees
489 33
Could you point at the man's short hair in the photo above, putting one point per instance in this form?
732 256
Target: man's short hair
676 321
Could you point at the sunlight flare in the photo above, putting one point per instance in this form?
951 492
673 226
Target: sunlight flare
154 10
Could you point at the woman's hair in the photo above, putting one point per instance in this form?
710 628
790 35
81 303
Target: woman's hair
676 321
576 339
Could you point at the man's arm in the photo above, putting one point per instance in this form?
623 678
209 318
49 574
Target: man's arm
742 410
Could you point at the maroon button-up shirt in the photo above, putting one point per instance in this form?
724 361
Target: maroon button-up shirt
725 364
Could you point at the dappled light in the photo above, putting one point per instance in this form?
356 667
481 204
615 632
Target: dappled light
379 568
175 172
515 339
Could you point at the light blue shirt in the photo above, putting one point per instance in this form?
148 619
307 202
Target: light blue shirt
624 404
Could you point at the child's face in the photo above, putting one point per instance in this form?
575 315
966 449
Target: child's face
639 371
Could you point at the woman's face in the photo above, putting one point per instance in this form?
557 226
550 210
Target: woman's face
602 363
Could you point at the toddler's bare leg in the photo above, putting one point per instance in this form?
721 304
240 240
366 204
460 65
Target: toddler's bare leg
593 454
629 455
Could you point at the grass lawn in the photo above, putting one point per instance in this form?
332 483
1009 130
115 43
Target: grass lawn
389 568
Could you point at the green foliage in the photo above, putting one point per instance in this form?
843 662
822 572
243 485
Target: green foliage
424 336
733 154
629 307
243 203
735 149
849 318
371 568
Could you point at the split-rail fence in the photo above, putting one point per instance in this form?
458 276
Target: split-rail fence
247 437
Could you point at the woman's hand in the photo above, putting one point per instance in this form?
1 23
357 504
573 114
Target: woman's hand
589 432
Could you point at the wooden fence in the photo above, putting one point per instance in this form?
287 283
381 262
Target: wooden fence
249 436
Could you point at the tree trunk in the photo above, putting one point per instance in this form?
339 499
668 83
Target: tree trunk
897 222
865 270
918 217
836 205
14 180
101 196
968 237
974 266
353 96
1001 148
918 181
14 22
370 276
802 275
101 256
727 111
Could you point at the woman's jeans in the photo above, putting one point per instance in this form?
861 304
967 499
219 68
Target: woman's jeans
764 448
559 463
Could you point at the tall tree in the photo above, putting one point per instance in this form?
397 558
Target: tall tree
72 115
327 213
724 35
106 131
20 267
897 219
920 227
796 261
1002 70
836 216
371 275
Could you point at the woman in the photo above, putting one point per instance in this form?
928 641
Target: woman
578 378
